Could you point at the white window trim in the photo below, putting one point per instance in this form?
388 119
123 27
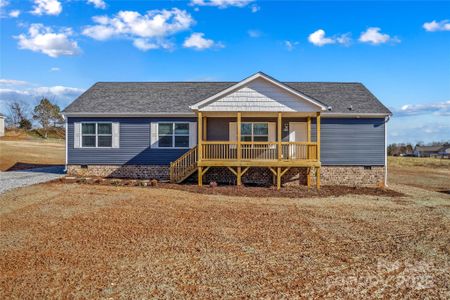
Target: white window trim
96 135
173 133
252 135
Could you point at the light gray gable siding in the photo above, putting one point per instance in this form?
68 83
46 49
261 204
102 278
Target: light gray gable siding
134 144
351 141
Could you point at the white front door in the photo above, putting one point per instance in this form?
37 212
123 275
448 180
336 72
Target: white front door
298 132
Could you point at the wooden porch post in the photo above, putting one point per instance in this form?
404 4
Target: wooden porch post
279 135
239 151
318 150
199 147
205 131
308 153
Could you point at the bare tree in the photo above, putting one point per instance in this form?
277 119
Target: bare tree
17 113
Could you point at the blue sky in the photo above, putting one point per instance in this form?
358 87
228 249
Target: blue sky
399 50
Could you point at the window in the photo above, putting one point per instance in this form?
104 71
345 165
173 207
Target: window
173 135
254 132
96 135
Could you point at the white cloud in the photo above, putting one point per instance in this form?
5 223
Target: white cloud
62 95
97 3
319 38
14 13
221 3
47 7
254 33
145 44
55 69
148 31
197 41
290 45
373 36
12 82
255 8
3 3
43 39
432 26
438 108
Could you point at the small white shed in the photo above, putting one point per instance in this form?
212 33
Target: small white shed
2 125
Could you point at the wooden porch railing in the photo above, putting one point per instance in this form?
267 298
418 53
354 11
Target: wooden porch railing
223 150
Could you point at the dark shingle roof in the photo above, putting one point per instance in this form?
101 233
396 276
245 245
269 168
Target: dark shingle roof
176 97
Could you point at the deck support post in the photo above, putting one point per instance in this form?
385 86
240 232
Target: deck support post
200 148
278 178
239 175
200 176
279 136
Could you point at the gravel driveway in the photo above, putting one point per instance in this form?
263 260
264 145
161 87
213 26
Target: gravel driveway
14 179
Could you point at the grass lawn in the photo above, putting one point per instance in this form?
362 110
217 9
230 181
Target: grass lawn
85 241
428 173
21 152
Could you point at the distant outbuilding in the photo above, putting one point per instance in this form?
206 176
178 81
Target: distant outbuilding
2 125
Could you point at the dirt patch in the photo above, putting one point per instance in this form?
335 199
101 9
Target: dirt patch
93 241
285 192
243 191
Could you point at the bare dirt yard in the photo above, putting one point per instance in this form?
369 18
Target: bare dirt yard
91 241
21 151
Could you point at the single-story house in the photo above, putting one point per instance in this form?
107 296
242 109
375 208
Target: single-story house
258 130
432 151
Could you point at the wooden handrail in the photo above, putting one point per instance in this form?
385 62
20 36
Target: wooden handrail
184 166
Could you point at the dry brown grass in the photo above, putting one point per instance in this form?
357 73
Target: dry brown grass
428 173
80 241
30 153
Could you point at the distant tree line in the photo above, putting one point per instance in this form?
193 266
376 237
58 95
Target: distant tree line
45 113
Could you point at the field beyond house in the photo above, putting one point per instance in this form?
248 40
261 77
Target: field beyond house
62 240
25 150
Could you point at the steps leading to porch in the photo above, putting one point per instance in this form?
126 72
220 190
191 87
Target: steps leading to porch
184 166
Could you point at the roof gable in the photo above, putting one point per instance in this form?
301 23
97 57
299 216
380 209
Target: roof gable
259 92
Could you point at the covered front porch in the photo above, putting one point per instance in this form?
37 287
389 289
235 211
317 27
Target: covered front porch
242 127
242 140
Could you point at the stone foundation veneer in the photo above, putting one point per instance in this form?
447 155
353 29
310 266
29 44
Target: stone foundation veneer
124 171
329 175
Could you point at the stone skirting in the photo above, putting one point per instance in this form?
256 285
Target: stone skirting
124 171
329 175
351 175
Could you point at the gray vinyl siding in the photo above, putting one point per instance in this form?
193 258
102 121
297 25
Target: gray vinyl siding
134 144
351 141
343 141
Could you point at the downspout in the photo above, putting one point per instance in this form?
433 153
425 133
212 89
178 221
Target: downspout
67 143
386 120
